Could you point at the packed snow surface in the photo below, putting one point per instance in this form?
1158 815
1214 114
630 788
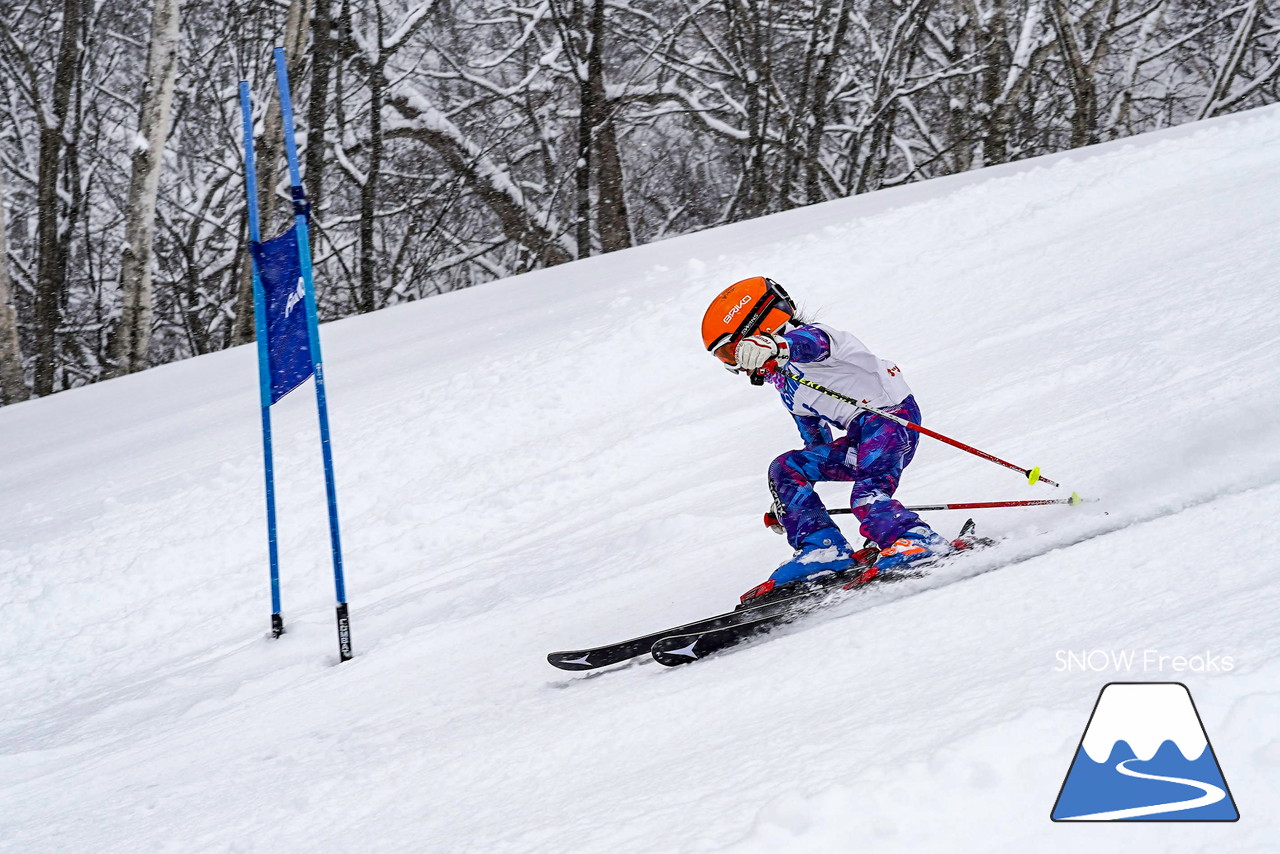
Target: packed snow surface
552 461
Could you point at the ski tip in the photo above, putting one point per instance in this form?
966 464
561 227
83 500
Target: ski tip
571 660
1034 475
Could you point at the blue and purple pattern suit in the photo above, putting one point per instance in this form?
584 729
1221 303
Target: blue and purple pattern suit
872 453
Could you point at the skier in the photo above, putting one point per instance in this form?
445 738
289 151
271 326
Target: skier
753 328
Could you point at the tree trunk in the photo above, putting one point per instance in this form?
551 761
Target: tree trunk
133 331
795 135
612 220
322 53
745 33
242 325
368 296
1240 43
1122 112
51 262
12 387
270 149
1084 94
818 114
271 165
586 128
993 47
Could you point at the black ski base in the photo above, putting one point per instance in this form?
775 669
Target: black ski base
676 649
603 656
696 640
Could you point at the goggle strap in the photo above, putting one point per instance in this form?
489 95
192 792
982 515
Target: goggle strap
758 313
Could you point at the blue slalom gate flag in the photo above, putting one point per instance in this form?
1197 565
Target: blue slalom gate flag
287 329
284 291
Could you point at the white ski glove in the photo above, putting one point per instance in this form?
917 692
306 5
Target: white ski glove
752 353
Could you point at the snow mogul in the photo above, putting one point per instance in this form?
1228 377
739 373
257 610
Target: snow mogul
753 328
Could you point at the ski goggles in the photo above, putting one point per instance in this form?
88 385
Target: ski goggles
725 353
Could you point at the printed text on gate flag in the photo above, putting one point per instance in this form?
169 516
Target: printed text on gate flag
288 341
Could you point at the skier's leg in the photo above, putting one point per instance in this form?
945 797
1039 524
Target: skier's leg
791 480
819 544
883 450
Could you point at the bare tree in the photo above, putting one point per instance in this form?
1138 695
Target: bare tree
813 104
581 26
1220 98
895 43
324 49
367 296
450 142
12 386
1121 120
270 151
52 264
132 335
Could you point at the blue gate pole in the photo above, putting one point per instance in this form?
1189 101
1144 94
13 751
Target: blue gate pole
264 367
313 324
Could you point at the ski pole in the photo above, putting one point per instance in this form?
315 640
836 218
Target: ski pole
1075 500
1033 474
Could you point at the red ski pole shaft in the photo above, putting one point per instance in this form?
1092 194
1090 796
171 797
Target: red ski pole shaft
1074 500
1033 474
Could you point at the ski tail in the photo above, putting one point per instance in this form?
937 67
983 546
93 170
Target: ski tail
968 538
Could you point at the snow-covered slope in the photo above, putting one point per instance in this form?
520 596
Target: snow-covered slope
552 461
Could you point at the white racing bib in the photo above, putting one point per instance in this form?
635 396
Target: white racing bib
851 370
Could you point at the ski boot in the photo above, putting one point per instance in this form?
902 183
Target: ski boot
822 553
916 545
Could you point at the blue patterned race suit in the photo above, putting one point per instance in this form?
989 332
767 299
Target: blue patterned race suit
871 455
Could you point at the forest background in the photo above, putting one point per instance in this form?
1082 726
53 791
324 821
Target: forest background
447 143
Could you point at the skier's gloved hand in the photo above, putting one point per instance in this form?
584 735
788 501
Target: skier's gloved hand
752 353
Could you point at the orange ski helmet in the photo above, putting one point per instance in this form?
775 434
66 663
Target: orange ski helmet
745 308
